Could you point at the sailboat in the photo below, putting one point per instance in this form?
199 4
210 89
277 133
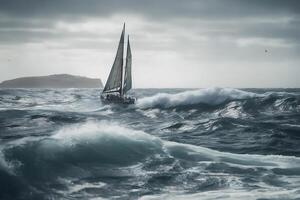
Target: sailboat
117 84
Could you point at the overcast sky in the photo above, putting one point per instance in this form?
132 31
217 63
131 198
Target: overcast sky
175 43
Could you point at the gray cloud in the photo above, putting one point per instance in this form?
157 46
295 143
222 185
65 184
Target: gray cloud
211 31
37 18
153 9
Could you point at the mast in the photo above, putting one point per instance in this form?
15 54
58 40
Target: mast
121 87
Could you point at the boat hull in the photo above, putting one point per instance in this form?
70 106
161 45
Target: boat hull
114 99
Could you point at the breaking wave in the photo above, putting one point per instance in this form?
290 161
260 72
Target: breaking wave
210 96
184 145
104 149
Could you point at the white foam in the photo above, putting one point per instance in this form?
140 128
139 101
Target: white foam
6 165
3 163
211 96
230 194
151 113
103 132
233 110
252 160
73 188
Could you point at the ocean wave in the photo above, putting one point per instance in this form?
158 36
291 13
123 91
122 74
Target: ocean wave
230 194
172 145
82 144
210 96
109 143
104 149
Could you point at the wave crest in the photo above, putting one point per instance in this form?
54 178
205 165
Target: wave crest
108 150
105 143
210 96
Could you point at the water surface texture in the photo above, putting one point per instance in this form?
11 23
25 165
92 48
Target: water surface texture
214 143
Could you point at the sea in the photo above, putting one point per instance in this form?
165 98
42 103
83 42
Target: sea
209 143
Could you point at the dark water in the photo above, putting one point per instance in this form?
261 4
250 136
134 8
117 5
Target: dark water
215 143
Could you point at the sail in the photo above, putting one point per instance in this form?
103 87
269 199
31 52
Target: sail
114 81
127 78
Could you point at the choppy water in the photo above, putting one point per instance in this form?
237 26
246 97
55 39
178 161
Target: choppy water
215 143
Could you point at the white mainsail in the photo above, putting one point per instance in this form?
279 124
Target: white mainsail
127 77
114 81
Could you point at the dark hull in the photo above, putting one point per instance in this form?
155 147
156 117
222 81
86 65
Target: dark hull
118 100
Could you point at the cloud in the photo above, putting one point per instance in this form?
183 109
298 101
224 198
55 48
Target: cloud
33 20
152 9
176 34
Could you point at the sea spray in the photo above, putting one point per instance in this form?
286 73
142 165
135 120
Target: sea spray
210 96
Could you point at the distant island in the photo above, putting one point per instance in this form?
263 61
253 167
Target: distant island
53 81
